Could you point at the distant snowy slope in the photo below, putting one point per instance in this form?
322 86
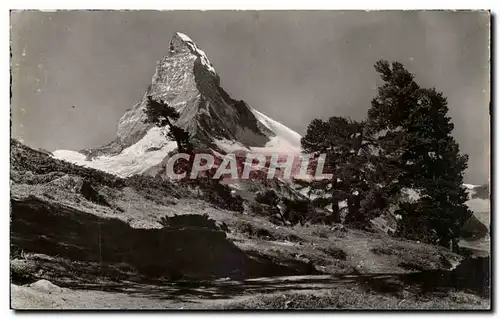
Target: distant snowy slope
285 140
136 159
154 147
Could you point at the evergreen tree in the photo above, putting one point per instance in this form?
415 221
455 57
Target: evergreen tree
347 148
414 138
161 114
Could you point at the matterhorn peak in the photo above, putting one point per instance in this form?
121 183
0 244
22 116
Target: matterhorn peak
182 43
186 80
183 36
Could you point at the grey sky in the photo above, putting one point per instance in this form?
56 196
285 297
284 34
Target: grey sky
293 66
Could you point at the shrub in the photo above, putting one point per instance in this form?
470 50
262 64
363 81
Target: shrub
257 209
293 238
416 265
298 210
22 271
264 234
335 252
149 183
268 197
221 196
321 232
276 220
245 228
90 193
250 230
383 251
263 209
188 220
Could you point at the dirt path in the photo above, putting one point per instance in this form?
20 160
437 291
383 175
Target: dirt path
180 295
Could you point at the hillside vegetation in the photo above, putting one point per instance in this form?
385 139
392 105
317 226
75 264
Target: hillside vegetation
85 229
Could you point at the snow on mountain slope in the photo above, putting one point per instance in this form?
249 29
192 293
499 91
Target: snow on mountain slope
479 205
478 202
153 148
136 159
286 140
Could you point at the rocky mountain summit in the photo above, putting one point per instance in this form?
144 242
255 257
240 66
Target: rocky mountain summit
187 81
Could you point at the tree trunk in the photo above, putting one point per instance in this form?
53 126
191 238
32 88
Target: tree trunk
335 212
357 207
350 218
281 215
354 217
180 149
335 202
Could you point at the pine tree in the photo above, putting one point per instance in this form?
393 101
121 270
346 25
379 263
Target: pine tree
414 138
347 149
161 114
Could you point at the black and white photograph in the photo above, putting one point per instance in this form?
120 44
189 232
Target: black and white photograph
250 160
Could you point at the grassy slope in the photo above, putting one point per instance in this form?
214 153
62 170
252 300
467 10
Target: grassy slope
353 297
